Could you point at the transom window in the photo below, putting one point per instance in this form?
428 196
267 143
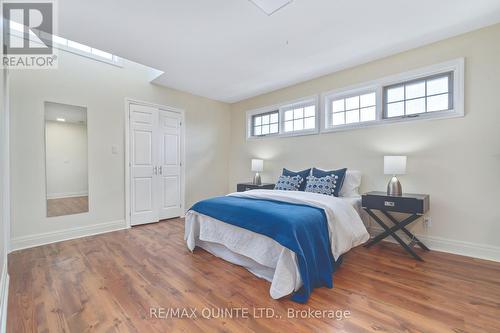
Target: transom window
433 92
300 118
296 117
411 98
265 123
353 109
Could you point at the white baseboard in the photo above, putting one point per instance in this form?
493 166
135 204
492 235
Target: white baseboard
67 195
468 249
4 294
25 242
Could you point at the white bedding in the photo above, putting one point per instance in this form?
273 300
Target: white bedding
263 256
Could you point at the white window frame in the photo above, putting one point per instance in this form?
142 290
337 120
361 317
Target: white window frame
348 92
457 67
282 107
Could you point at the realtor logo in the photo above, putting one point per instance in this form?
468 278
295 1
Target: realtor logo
27 35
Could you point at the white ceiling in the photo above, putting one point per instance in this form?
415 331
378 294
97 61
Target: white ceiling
230 50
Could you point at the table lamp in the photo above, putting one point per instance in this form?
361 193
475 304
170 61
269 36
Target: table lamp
257 166
394 165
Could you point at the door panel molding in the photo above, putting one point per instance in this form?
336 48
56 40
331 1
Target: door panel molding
169 131
144 188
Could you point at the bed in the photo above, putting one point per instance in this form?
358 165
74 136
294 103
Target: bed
264 256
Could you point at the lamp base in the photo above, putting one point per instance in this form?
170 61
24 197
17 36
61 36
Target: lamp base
256 179
394 187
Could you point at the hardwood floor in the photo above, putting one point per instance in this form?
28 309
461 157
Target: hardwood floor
110 282
67 206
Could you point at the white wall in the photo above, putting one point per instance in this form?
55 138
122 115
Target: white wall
456 161
102 89
66 159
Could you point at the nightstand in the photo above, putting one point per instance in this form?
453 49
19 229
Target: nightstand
242 187
414 204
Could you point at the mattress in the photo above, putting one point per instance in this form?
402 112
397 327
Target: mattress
259 254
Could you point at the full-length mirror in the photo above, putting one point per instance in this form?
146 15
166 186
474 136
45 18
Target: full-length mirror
66 162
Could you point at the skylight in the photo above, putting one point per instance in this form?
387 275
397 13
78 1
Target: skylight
67 45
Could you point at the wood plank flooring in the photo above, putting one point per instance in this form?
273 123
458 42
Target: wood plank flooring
67 206
110 282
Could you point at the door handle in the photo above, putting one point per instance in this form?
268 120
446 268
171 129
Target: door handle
155 170
161 172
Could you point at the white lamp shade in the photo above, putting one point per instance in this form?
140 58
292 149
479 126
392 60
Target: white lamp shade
394 165
257 165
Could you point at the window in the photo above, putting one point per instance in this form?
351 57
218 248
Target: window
411 98
61 43
433 92
84 50
102 54
265 124
79 47
300 118
352 109
287 119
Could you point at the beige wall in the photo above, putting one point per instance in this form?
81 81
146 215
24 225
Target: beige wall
456 161
102 88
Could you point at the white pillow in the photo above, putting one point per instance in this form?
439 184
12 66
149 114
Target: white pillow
352 182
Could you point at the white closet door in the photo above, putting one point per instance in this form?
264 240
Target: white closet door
143 164
169 131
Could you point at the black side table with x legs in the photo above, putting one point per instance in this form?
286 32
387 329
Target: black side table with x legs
414 204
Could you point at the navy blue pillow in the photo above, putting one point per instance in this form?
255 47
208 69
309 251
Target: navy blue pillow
304 174
340 173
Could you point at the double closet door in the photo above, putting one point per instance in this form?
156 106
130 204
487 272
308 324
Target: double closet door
155 164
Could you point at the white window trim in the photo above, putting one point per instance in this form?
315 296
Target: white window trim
346 93
456 66
281 107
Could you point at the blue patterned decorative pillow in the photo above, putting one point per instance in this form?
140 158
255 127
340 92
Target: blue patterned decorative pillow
340 176
289 183
303 174
326 185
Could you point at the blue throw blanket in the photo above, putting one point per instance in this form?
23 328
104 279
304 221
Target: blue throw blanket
300 228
